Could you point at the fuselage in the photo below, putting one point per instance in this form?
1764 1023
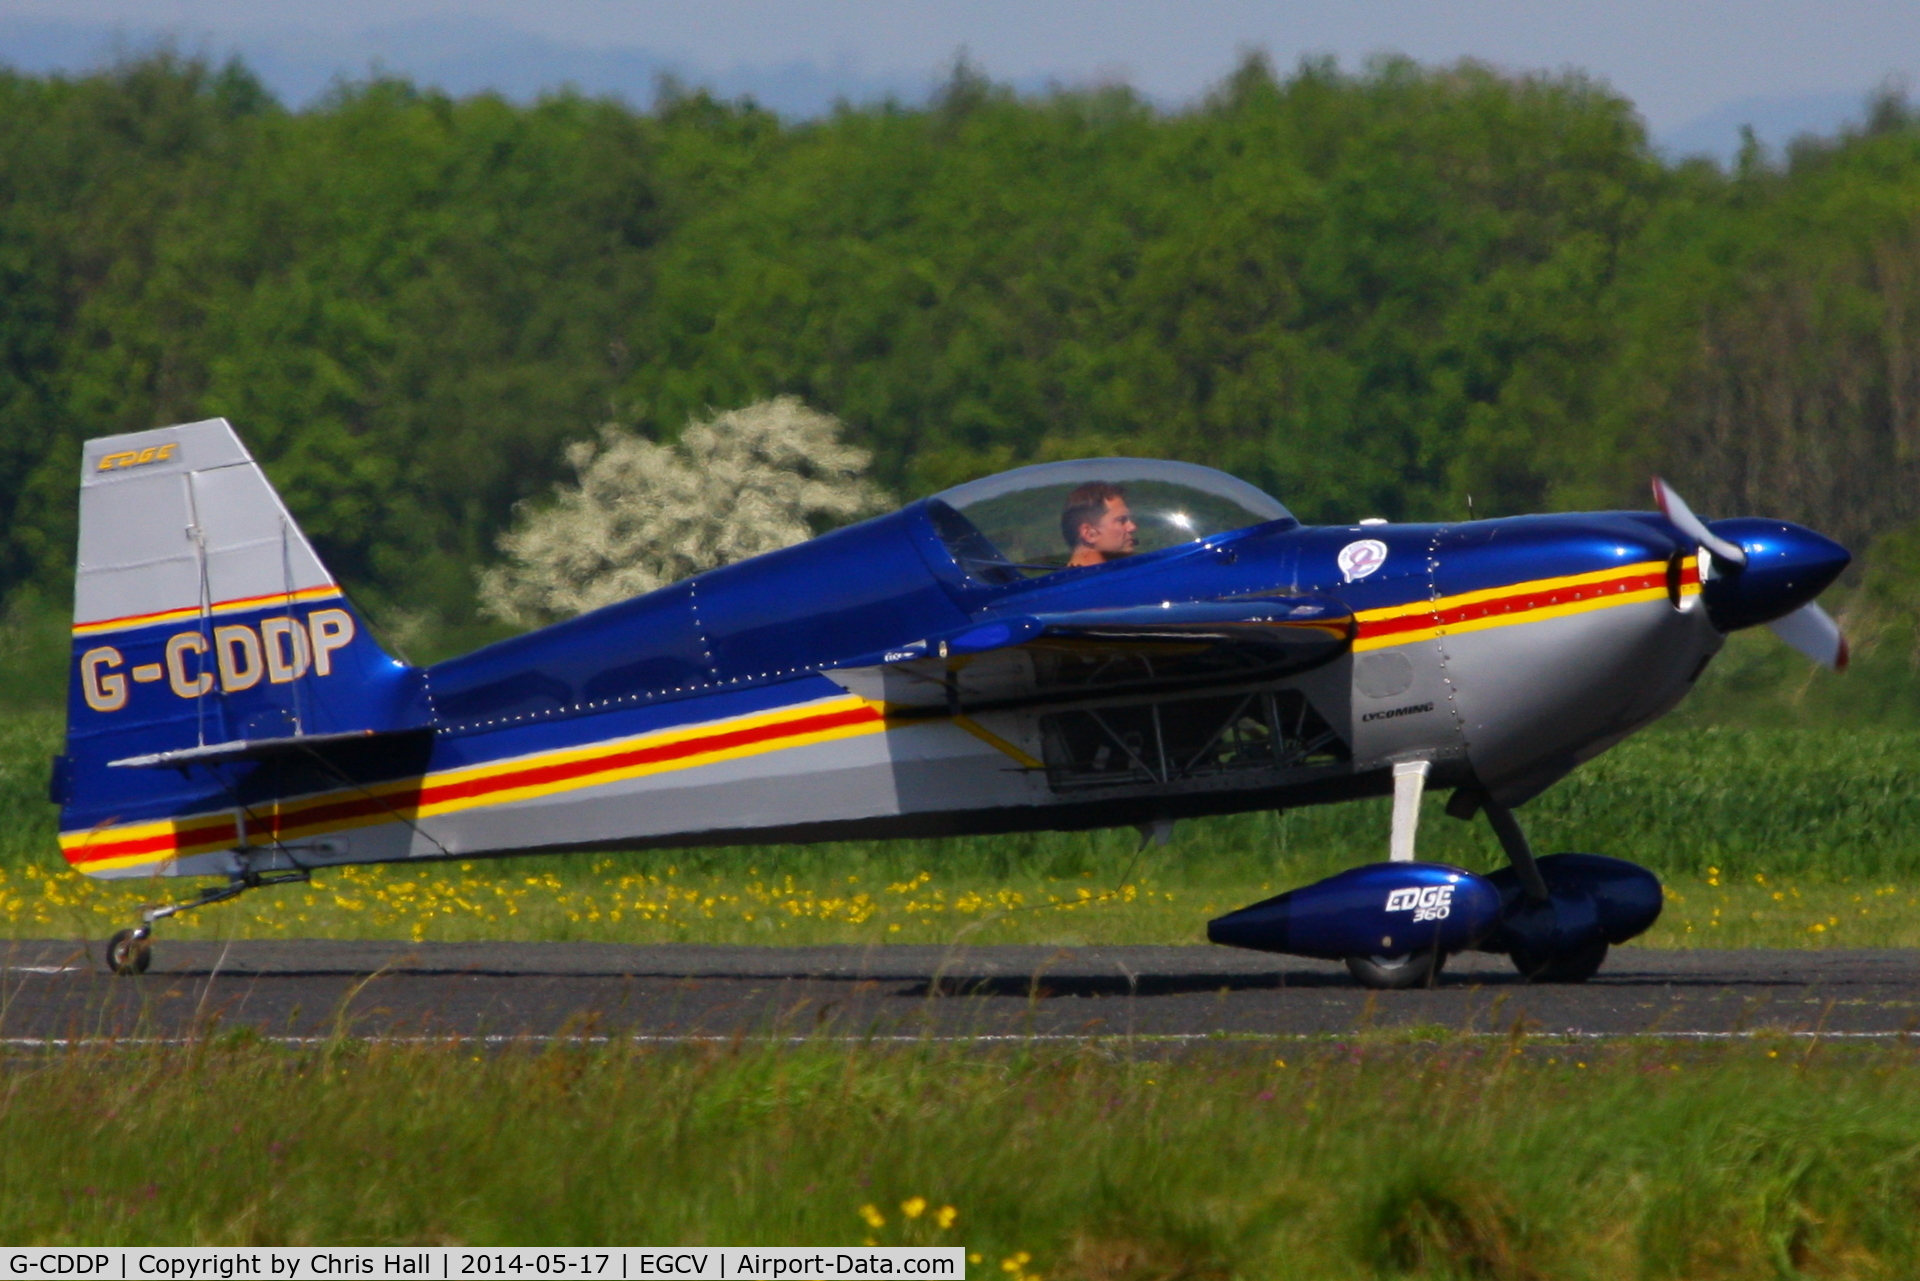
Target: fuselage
741 705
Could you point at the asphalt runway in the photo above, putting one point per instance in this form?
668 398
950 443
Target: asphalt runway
59 991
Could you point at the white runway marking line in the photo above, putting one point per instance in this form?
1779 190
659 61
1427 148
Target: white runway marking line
66 1042
46 969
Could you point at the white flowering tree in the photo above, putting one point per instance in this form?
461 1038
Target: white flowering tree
642 515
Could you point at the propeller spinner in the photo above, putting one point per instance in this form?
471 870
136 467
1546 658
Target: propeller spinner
1765 571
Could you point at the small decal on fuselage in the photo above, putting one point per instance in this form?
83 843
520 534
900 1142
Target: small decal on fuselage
1411 710
1427 903
1357 560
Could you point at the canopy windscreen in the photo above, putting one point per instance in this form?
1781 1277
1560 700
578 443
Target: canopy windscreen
1019 514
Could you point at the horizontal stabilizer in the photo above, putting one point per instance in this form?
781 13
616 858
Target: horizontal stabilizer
1043 658
256 749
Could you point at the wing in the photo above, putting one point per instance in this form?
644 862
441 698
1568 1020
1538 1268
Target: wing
1052 658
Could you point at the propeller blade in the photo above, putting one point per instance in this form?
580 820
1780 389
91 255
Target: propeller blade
1675 509
1812 631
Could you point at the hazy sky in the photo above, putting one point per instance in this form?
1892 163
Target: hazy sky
1690 65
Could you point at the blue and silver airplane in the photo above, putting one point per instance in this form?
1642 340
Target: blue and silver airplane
1116 641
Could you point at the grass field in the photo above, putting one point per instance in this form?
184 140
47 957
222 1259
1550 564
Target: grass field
1803 837
1484 1159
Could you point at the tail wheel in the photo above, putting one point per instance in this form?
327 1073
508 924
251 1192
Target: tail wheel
1392 973
129 952
1562 967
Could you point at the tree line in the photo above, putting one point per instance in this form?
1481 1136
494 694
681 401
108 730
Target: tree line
1377 292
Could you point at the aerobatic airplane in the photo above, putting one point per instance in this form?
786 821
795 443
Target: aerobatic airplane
1065 646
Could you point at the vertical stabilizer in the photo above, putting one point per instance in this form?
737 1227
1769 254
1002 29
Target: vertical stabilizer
203 623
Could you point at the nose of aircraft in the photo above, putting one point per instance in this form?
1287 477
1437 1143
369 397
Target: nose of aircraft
1787 566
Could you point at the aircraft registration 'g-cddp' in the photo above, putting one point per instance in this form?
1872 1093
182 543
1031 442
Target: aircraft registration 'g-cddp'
1070 645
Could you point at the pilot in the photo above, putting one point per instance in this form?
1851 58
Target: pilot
1097 524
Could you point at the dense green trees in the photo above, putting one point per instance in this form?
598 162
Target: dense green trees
407 304
1365 293
1772 338
1375 293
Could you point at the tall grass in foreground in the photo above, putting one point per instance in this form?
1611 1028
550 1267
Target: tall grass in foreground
1767 837
1488 1159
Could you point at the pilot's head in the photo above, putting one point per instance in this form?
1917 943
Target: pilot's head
1097 524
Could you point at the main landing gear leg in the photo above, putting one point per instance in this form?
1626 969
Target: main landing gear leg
1519 852
1574 966
131 951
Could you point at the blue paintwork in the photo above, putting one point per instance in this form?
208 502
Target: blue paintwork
807 606
1348 914
367 690
1495 553
1593 897
1590 899
1787 566
759 622
631 652
861 591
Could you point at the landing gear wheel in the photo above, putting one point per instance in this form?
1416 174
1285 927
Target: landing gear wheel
1562 967
1392 973
129 952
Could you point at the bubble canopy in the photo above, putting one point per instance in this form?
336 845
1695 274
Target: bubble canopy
1011 525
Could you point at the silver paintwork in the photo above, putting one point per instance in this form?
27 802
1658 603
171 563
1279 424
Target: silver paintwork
198 527
1538 698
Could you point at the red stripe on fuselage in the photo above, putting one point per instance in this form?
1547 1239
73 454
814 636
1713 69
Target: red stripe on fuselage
1520 602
